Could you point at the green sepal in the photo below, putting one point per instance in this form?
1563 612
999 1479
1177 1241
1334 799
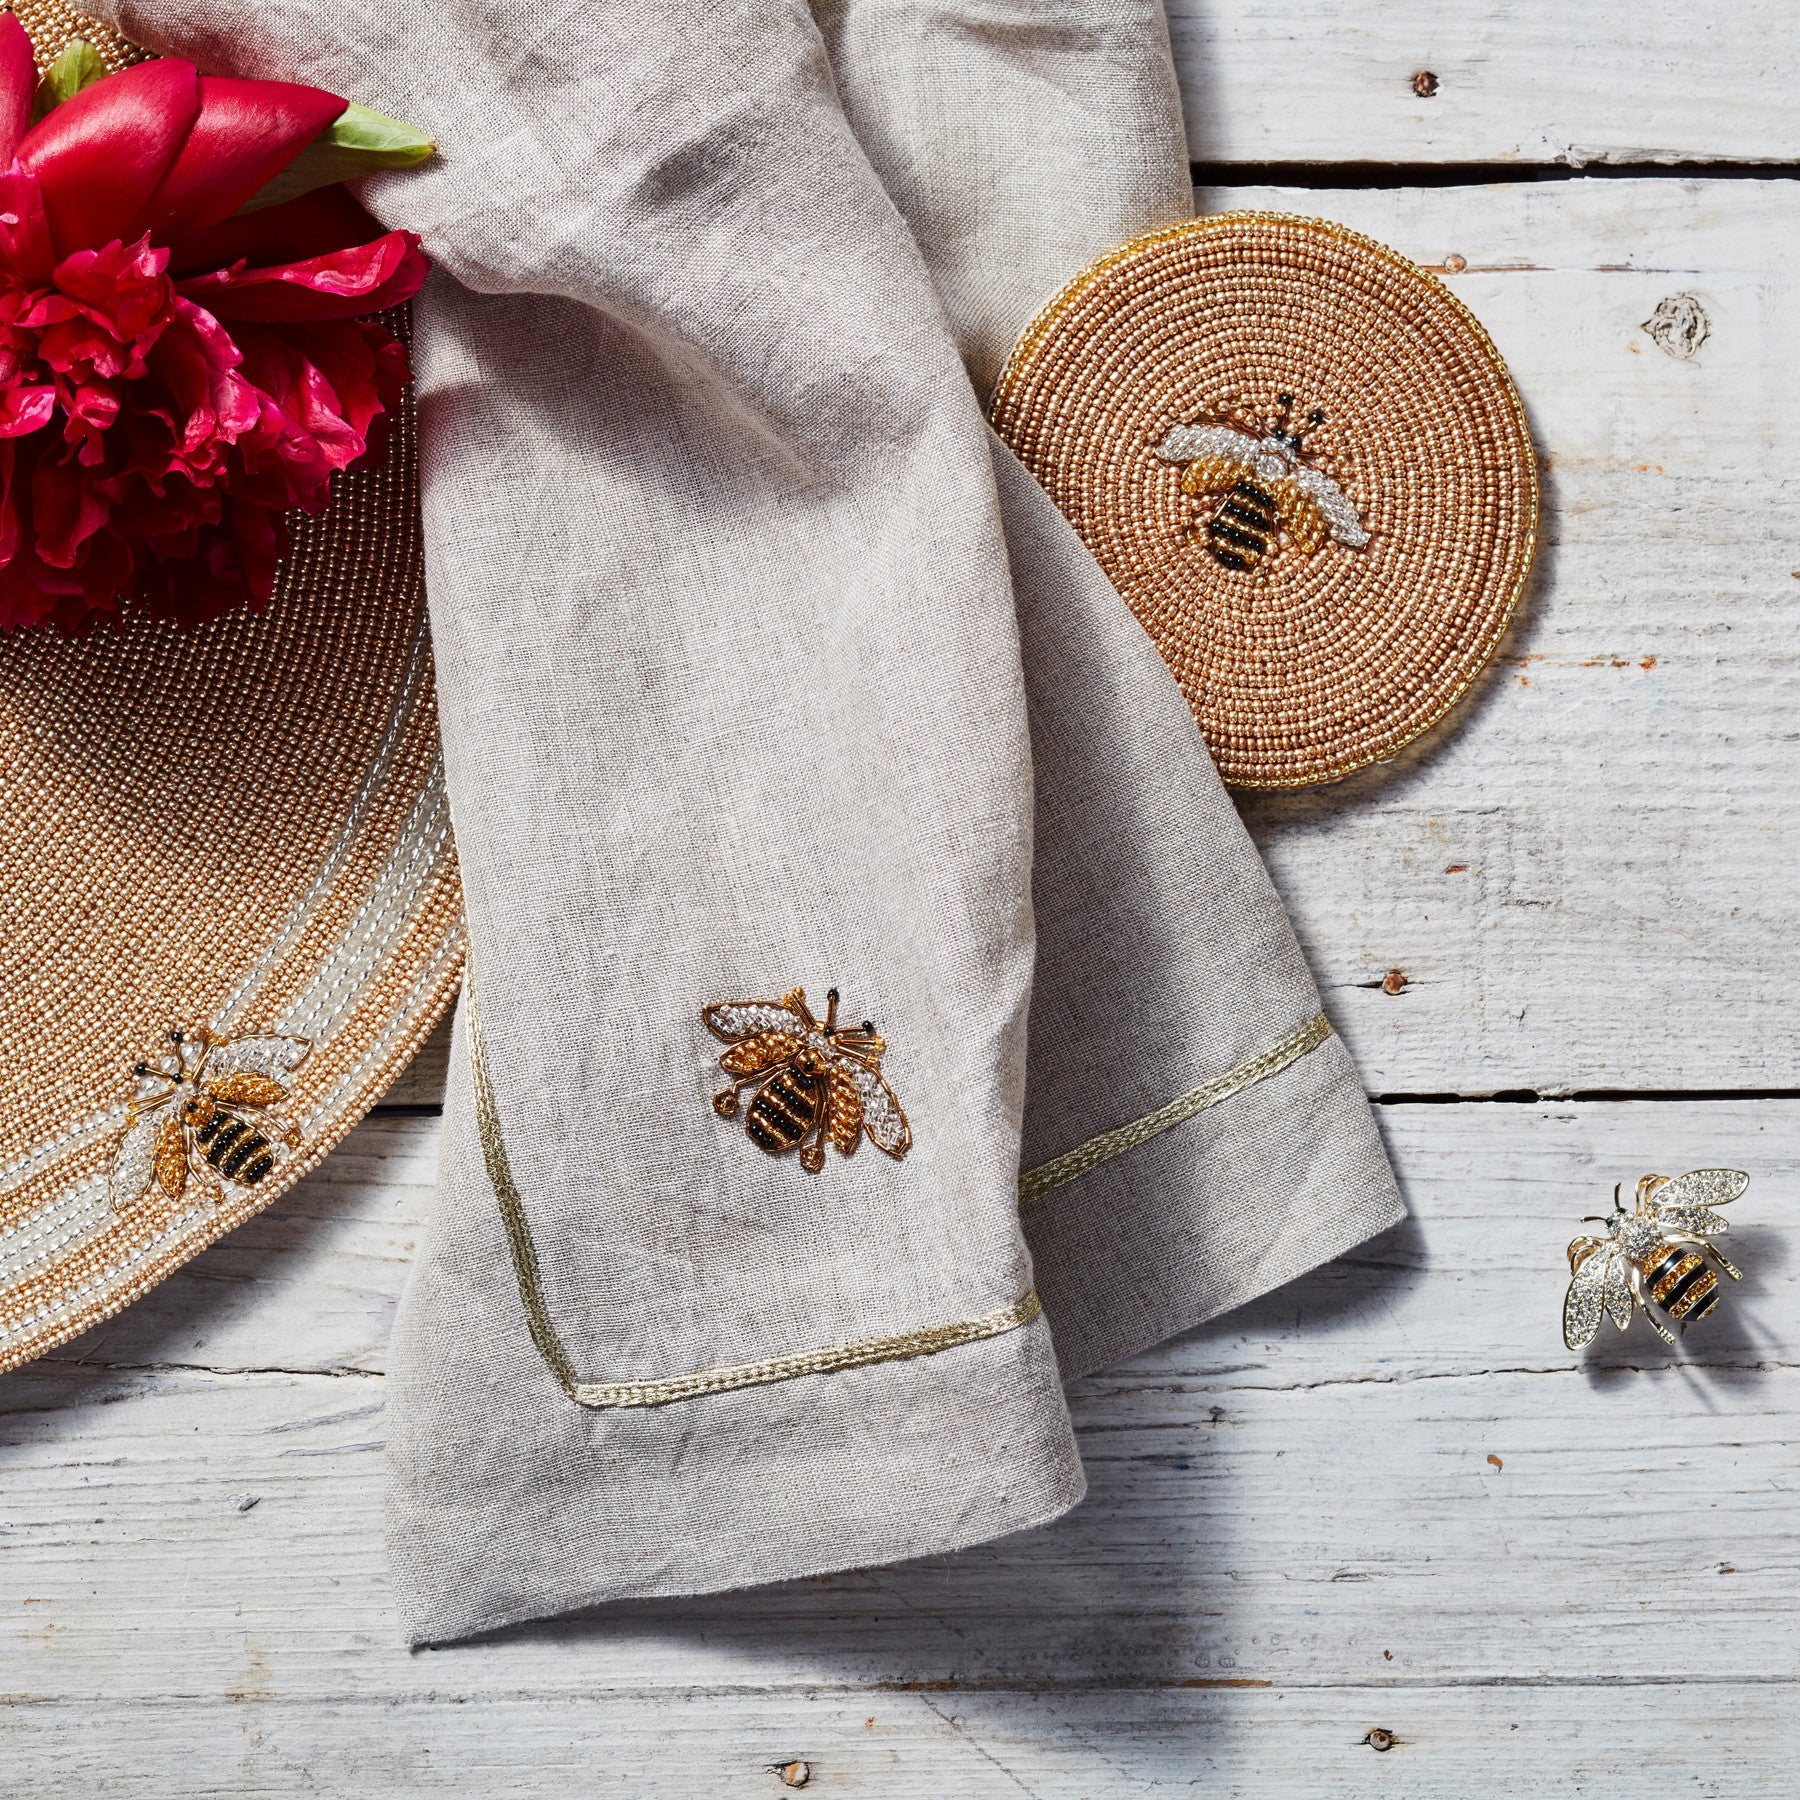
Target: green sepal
361 142
79 66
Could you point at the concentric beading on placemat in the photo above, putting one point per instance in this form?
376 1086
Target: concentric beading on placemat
244 826
241 828
1303 653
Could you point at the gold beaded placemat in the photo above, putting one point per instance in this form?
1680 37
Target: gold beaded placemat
237 833
1302 463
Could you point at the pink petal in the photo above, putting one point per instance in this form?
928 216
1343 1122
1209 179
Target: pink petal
246 134
122 286
25 243
326 219
25 409
197 364
101 155
18 83
11 527
343 285
66 510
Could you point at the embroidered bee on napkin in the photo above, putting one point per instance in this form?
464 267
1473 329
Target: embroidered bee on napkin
817 1082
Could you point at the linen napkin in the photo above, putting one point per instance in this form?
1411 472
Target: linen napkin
761 666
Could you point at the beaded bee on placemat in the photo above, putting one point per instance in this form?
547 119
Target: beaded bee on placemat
1259 488
816 1082
203 1111
1654 1258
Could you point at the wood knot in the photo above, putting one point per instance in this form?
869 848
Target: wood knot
1679 326
1424 84
1381 1739
1394 981
795 1774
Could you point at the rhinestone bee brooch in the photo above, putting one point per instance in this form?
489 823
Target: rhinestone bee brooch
1259 487
202 1112
817 1082
1655 1258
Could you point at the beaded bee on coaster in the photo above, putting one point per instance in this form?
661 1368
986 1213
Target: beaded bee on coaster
1303 466
1654 1258
1259 488
204 1112
817 1082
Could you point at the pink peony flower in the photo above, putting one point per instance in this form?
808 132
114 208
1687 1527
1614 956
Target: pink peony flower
176 377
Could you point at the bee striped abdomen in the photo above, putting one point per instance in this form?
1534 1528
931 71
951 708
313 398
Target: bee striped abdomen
1241 528
786 1109
1681 1282
237 1150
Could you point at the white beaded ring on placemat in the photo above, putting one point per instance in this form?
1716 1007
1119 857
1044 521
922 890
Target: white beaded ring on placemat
229 905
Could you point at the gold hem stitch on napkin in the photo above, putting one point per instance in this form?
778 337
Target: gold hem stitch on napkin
1035 1183
924 1341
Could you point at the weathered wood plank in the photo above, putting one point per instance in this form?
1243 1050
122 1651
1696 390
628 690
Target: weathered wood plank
958 1741
1301 1495
1520 81
1633 1529
1578 874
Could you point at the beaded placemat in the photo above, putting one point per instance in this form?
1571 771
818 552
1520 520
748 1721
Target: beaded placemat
229 902
1303 464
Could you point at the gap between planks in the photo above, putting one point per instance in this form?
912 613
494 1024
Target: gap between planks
1334 177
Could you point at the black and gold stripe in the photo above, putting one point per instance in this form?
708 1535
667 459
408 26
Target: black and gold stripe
1242 526
236 1149
786 1110
1681 1282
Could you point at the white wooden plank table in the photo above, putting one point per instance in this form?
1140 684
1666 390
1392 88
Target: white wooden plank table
1383 1500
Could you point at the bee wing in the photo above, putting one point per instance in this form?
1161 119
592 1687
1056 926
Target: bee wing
734 1019
135 1161
171 1158
1590 1295
881 1115
1187 443
845 1125
1337 506
274 1058
245 1088
1302 515
1687 1201
1615 1290
762 1051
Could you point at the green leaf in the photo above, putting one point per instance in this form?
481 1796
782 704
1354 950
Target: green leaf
79 66
361 142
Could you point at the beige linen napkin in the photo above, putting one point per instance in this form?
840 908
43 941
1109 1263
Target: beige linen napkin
762 666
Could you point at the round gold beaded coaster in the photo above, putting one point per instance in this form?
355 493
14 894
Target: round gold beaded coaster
1303 464
229 904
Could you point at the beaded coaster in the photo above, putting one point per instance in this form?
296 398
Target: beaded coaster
229 905
1302 463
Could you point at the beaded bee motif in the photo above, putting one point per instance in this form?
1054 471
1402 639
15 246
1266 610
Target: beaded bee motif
1655 1257
816 1082
1258 488
203 1112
